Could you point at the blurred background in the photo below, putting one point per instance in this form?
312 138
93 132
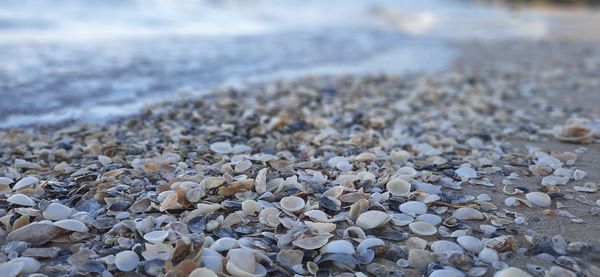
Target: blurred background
93 60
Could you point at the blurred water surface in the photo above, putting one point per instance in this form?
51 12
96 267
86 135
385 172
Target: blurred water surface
63 59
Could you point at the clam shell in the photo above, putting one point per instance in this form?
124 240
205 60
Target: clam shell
156 236
398 187
317 215
311 243
9 269
470 243
466 173
6 181
512 272
221 147
430 218
338 247
413 207
127 260
292 203
539 198
159 251
30 265
572 133
368 243
21 199
57 211
445 249
203 272
25 182
71 225
402 219
467 214
422 228
224 244
290 257
250 207
242 263
372 219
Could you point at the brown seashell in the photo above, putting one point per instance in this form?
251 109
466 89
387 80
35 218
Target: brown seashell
550 212
184 268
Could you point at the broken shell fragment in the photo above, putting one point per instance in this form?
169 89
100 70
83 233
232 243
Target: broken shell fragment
156 236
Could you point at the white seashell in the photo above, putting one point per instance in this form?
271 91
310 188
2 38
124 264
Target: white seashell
401 219
30 265
579 174
354 233
416 243
221 147
470 243
338 247
512 272
104 160
212 260
430 218
446 273
156 236
368 243
71 225
25 182
365 156
539 198
311 243
6 181
127 260
13 269
242 263
398 187
321 227
413 207
224 244
488 255
372 219
57 211
466 173
552 180
445 249
159 251
422 228
316 215
250 207
467 214
203 272
21 199
292 203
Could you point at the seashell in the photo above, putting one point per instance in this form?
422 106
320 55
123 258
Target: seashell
365 156
159 251
422 228
242 263
127 260
156 236
430 218
321 227
402 219
290 257
30 265
9 269
413 208
224 244
372 219
25 182
194 195
221 147
338 247
465 173
202 272
354 233
330 203
398 187
470 243
35 233
488 255
572 133
512 272
358 208
444 249
317 215
71 225
292 203
579 174
57 211
311 243
170 202
21 199
446 273
260 184
419 258
539 198
140 206
467 214
6 181
540 170
334 192
416 243
250 207
368 243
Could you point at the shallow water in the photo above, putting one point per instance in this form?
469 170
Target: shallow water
92 60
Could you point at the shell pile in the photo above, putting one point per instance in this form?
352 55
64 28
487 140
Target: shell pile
370 176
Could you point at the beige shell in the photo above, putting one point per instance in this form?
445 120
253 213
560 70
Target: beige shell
311 243
71 225
398 187
292 203
242 263
372 219
250 207
21 199
203 272
317 215
422 228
